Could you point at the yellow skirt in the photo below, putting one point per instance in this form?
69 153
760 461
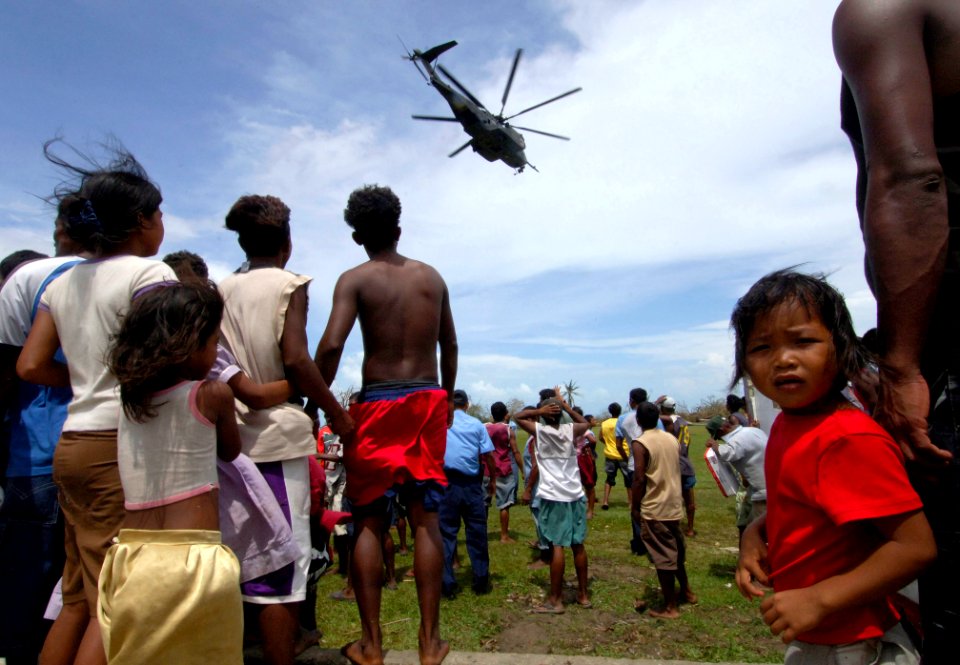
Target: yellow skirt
171 596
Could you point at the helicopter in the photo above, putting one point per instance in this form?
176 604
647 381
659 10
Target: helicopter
491 136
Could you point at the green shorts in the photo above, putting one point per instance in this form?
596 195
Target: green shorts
564 523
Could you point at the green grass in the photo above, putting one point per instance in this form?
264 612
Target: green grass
722 627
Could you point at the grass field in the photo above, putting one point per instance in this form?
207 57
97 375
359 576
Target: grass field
722 627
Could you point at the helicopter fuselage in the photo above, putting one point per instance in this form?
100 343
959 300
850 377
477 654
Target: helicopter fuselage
492 139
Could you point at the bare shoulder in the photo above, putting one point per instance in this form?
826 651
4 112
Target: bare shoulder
871 20
214 394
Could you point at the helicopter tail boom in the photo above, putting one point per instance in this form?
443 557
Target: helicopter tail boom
432 54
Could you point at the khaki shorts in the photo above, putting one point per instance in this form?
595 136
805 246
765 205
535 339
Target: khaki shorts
91 498
664 542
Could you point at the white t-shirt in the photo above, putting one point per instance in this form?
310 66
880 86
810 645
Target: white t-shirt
87 304
18 294
557 461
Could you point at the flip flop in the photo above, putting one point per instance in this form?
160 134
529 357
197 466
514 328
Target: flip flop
339 595
546 609
587 605
604 507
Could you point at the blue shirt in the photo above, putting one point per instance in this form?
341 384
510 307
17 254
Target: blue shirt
467 439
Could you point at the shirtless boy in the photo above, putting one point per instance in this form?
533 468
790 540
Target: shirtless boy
402 416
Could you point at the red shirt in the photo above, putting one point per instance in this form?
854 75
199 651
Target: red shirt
502 452
826 474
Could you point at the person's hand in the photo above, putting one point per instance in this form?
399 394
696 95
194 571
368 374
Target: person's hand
342 424
527 497
559 394
904 402
712 444
752 565
449 413
551 410
794 612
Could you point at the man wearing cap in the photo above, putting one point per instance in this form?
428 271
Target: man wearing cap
744 448
680 429
467 443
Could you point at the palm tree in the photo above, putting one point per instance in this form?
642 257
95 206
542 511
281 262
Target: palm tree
570 390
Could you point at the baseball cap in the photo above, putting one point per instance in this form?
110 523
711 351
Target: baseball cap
668 403
714 425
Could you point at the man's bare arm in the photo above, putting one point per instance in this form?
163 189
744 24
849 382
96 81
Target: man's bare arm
343 314
881 51
448 352
301 369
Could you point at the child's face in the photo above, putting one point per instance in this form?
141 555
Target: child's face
791 358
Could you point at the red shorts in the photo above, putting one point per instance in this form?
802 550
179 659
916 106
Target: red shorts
588 469
401 436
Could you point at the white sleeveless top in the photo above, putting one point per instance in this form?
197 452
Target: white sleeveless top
255 308
557 461
170 457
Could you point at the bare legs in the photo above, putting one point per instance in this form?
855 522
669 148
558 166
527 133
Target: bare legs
505 526
279 630
690 503
366 565
74 638
667 579
591 500
558 566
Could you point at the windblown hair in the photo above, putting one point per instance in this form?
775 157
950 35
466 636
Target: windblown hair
102 205
262 224
163 328
374 213
179 260
818 298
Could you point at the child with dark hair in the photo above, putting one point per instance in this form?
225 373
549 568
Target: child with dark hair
844 530
187 265
113 213
563 504
506 463
658 508
402 415
170 590
736 407
264 328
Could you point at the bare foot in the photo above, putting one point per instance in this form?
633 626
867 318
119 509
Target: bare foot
356 654
590 515
538 564
391 584
690 597
584 601
345 594
689 533
435 655
409 573
507 539
665 613
403 551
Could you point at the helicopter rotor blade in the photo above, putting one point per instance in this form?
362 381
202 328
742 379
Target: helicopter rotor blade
460 86
537 131
506 90
460 149
412 58
549 101
433 117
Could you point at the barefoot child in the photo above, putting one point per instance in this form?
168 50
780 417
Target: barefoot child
114 215
402 415
658 507
563 505
843 529
169 590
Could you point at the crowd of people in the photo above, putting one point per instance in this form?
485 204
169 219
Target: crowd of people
162 489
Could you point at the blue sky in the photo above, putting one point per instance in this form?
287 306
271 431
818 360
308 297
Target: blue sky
706 152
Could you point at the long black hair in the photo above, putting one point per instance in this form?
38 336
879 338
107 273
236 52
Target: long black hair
102 205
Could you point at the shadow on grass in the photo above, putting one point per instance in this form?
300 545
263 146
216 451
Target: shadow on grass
723 570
